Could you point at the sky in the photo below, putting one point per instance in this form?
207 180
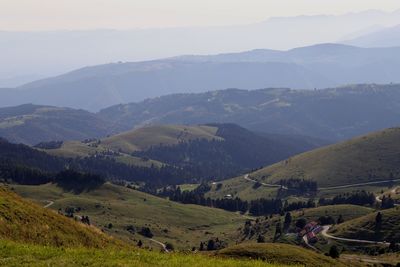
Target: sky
39 15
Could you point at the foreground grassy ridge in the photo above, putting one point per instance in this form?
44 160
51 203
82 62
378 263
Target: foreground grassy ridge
282 253
368 158
144 138
12 254
183 225
365 227
23 221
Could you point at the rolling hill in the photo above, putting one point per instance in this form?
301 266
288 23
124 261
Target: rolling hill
365 227
329 114
318 66
370 158
31 124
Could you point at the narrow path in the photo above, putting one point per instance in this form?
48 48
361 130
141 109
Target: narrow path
49 204
164 247
325 234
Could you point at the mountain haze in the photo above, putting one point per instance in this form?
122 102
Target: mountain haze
317 66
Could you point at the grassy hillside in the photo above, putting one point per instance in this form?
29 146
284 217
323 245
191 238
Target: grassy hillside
144 138
369 158
31 124
25 222
183 225
366 228
282 253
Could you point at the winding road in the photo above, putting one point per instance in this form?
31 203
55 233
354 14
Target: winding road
246 177
325 234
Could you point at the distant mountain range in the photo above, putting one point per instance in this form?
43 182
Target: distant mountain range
319 66
49 53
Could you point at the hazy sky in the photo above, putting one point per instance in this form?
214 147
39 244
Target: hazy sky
127 14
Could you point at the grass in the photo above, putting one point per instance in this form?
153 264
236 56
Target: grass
144 138
184 226
23 221
367 158
280 253
372 157
365 228
12 254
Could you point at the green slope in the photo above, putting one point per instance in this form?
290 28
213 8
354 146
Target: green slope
183 225
365 227
370 158
23 221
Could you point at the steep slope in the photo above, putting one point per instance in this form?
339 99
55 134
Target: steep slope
330 114
25 222
32 124
317 66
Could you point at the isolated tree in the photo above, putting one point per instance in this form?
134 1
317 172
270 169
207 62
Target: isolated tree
169 246
140 243
288 220
278 231
340 219
260 239
334 252
378 220
300 223
201 248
